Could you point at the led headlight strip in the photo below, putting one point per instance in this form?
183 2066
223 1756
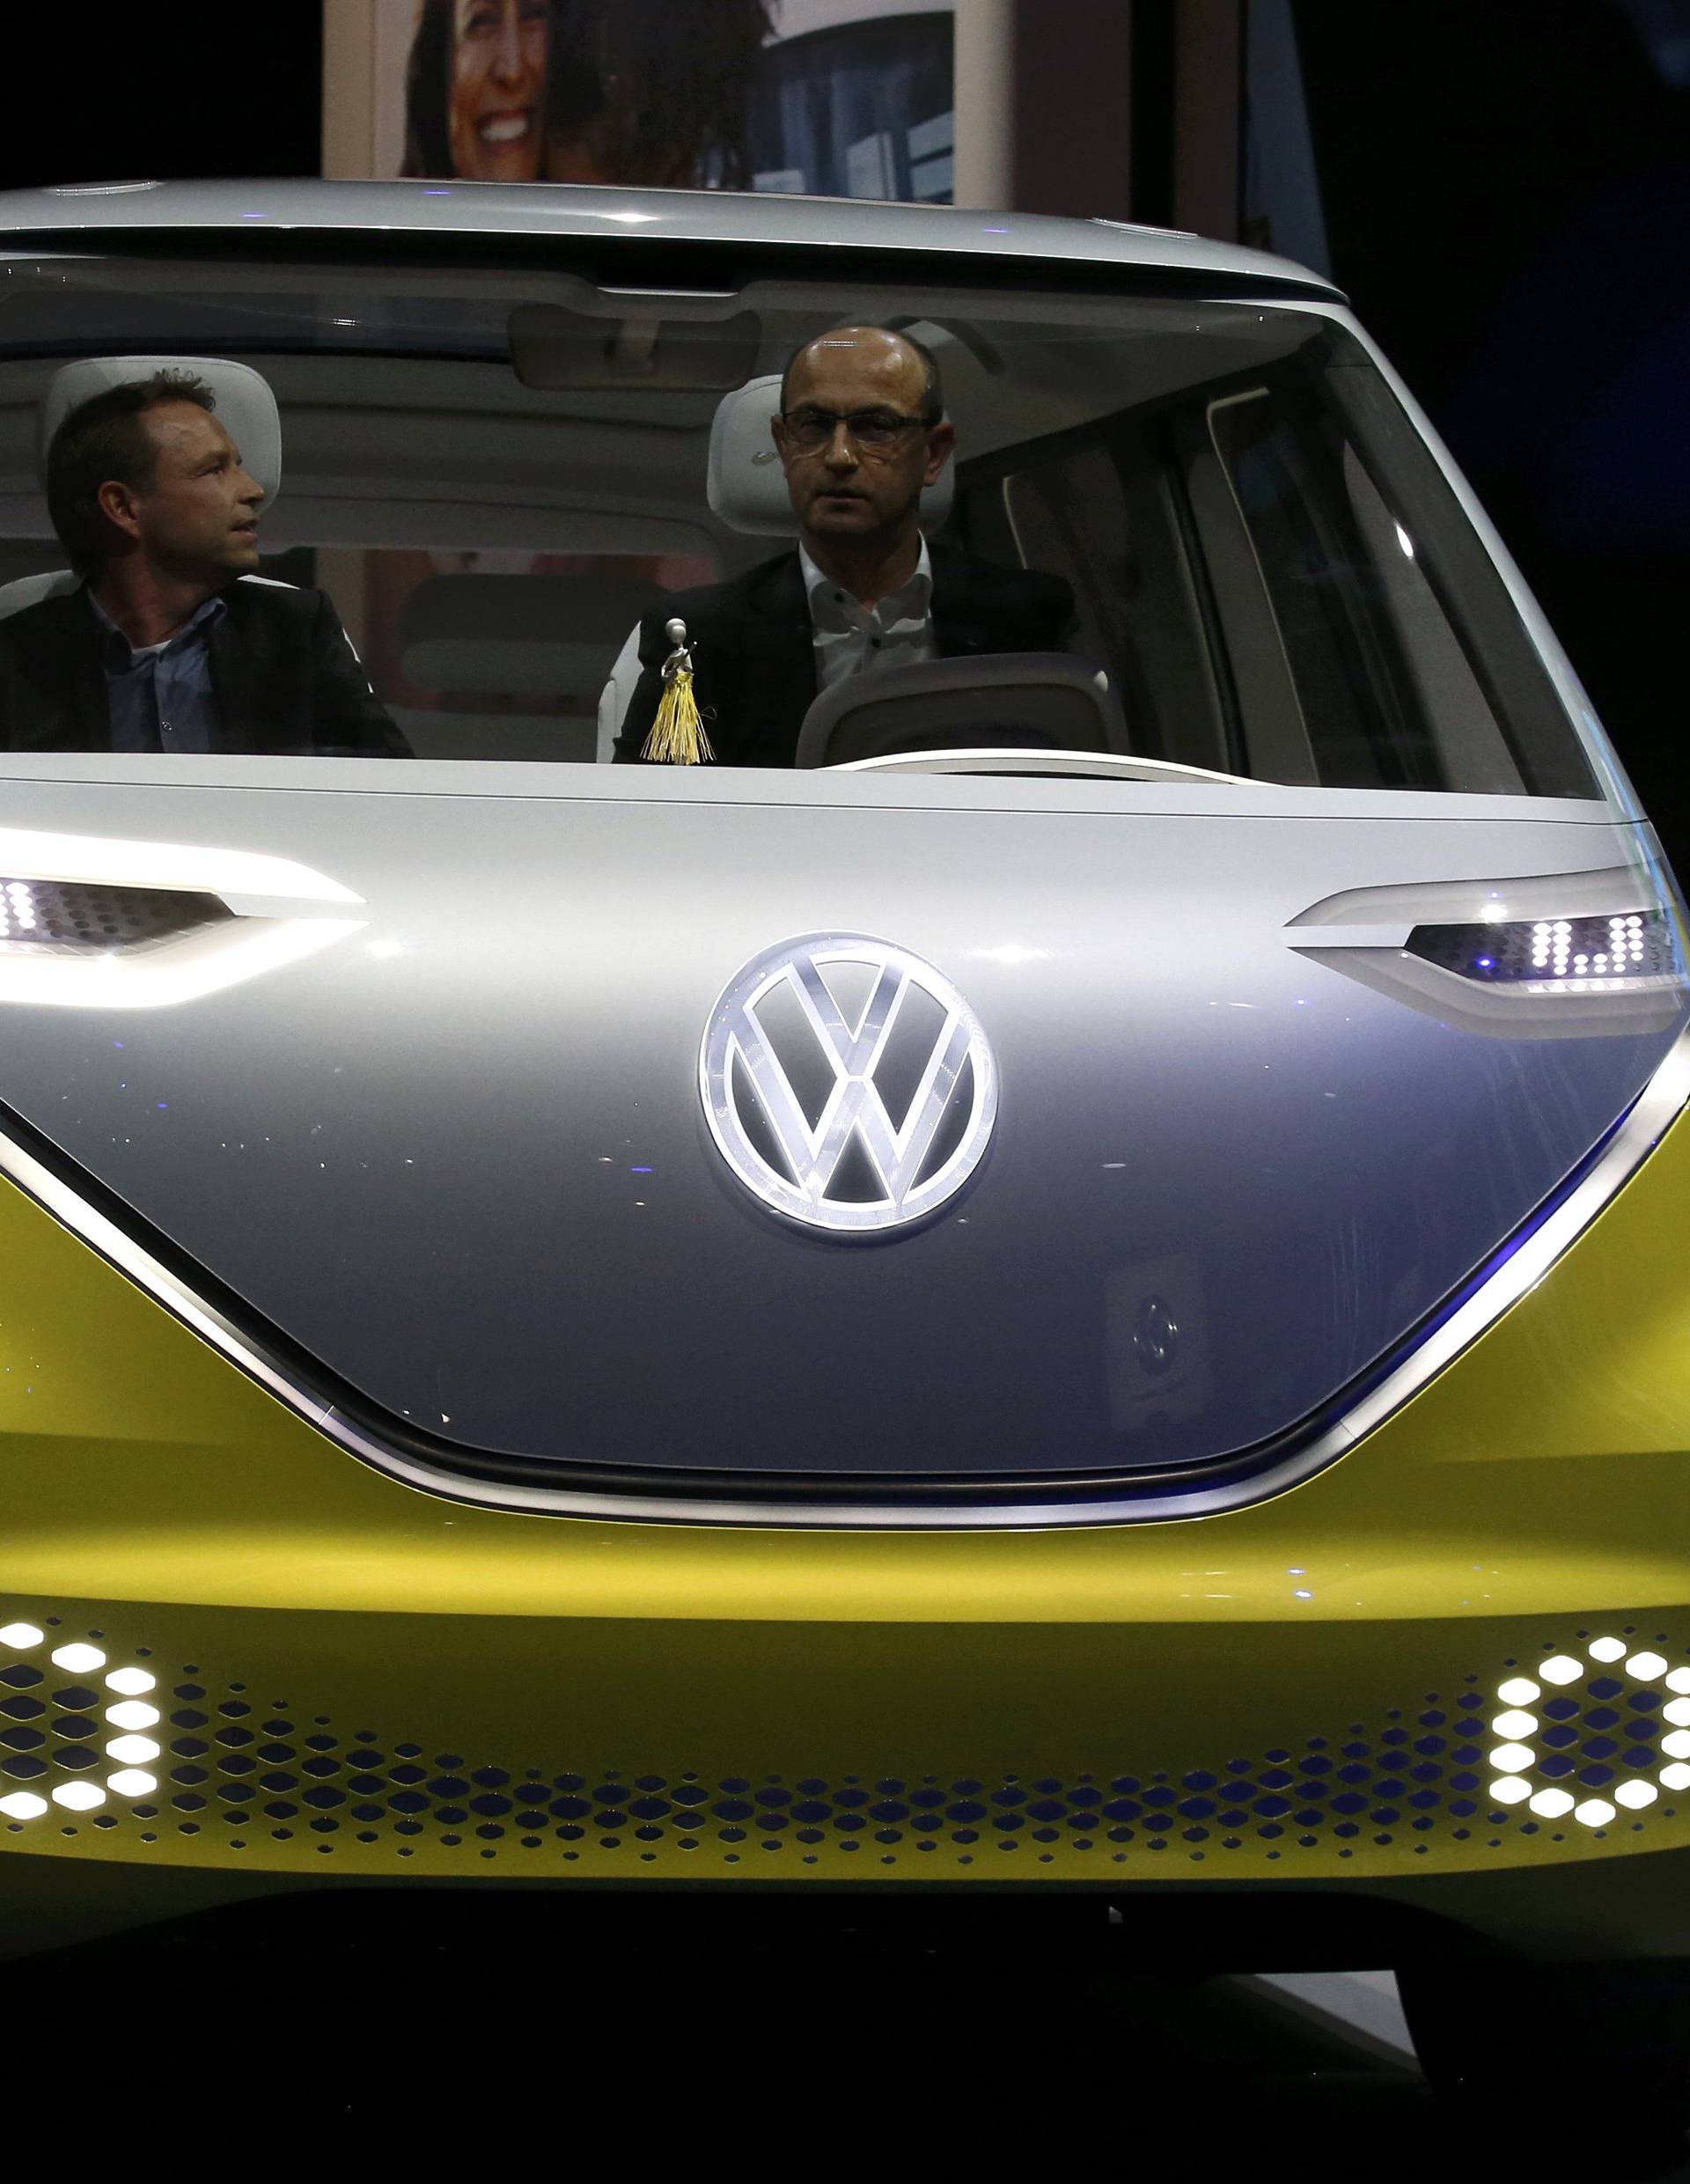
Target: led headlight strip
89 922
1574 954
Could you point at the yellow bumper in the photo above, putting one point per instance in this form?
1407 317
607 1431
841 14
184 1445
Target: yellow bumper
355 1678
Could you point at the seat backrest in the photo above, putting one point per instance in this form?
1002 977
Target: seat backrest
29 591
245 403
517 637
1016 699
745 484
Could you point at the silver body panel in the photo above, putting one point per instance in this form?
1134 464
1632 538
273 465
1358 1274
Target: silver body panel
460 1157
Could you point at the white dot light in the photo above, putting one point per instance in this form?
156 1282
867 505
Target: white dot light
1648 1666
79 1659
1514 1724
1595 1813
1675 1778
1676 1746
21 1805
1510 1790
1561 1668
130 1682
1679 1681
1551 1804
132 1714
1509 1759
1518 1691
20 1636
132 1751
1677 1712
1606 1649
78 1796
131 1781
1634 1795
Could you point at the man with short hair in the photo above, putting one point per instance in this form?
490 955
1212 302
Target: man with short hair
164 647
861 433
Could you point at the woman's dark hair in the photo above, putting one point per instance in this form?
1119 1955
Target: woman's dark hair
662 92
104 438
427 90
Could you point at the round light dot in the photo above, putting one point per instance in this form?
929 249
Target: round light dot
1676 1746
1509 1759
1649 1666
1679 1681
1594 1812
21 1636
131 1682
1518 1691
1606 1649
81 1660
1550 1804
1634 1795
132 1714
1677 1712
131 1781
21 1805
78 1796
1675 1778
132 1751
1514 1724
1561 1668
1510 1790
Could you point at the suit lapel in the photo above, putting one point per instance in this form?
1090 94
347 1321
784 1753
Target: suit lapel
70 640
780 662
958 627
236 679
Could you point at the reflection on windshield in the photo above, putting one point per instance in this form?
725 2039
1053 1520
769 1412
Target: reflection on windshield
528 516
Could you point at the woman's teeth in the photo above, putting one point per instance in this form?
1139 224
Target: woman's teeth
503 129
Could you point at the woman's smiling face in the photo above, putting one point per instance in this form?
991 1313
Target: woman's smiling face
498 89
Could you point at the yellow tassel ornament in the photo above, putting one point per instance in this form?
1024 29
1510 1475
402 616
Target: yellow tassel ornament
677 737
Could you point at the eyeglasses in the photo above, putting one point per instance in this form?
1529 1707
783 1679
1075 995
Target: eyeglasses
873 429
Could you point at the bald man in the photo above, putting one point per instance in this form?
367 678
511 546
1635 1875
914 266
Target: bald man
860 433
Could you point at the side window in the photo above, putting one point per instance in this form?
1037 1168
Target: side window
1104 514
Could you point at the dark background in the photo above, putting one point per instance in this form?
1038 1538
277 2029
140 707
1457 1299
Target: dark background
1506 187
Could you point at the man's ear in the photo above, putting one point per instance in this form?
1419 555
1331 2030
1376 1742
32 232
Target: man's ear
119 504
941 442
777 433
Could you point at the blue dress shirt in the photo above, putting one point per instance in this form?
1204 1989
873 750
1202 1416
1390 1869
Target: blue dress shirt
160 697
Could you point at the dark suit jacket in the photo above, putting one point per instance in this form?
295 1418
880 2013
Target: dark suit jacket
285 679
753 656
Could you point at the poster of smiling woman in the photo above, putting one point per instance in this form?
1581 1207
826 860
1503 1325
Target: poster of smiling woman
842 98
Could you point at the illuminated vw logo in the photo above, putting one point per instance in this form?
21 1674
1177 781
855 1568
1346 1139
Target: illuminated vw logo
848 1082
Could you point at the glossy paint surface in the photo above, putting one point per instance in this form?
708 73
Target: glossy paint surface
1537 1493
460 1155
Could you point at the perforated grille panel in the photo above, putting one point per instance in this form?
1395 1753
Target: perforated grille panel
1579 1745
71 917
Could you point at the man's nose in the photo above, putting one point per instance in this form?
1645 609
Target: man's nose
841 452
248 491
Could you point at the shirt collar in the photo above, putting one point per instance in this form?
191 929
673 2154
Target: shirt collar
911 602
205 616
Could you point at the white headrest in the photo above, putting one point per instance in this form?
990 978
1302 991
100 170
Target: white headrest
245 404
746 485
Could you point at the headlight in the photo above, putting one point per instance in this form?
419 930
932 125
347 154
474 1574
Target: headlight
1626 949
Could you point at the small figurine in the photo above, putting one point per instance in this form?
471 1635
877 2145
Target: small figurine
677 737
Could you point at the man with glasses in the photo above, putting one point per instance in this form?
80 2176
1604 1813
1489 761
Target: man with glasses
861 433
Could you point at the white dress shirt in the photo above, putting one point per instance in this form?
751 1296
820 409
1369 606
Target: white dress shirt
851 639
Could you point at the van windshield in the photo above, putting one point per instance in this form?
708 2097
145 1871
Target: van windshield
530 515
